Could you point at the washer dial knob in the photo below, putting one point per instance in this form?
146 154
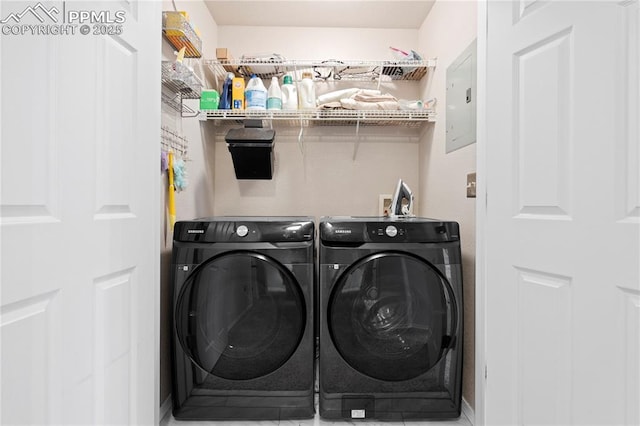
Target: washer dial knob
391 231
242 231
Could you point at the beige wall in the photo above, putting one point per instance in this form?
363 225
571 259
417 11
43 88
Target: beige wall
197 199
447 31
326 180
323 181
316 43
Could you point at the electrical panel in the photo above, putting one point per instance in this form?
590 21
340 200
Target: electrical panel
461 100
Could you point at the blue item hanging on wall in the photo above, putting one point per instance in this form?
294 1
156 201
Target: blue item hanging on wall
179 174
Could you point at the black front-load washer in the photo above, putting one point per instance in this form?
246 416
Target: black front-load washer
390 318
243 331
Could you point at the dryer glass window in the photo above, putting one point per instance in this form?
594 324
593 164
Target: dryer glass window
240 316
392 316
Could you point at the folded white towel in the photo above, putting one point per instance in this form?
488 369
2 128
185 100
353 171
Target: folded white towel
336 95
388 105
362 97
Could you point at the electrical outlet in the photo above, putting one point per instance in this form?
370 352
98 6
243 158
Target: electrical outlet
384 203
471 185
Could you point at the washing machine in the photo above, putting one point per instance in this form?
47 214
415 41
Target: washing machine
243 325
390 305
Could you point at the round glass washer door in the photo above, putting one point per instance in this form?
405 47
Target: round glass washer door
240 315
392 316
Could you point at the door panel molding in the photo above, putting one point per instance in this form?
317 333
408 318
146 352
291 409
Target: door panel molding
627 190
630 313
544 342
542 153
35 318
523 8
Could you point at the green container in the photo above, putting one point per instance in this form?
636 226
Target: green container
209 99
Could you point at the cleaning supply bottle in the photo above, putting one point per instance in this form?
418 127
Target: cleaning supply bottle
289 93
225 99
255 94
237 93
307 92
274 97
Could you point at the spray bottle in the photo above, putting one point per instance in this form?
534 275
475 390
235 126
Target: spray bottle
225 99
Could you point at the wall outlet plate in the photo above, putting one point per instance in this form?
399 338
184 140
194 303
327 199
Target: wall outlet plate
384 204
471 185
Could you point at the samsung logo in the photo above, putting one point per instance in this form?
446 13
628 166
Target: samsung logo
195 231
342 231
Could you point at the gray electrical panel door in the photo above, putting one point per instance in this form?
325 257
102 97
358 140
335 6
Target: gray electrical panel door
461 100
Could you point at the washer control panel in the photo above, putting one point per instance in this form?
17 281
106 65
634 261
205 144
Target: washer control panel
242 231
384 232
391 231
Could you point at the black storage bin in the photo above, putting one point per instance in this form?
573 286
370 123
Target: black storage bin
252 152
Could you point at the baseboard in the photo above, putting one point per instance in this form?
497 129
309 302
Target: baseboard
468 411
165 411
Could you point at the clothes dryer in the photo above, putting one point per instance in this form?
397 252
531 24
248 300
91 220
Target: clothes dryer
243 330
390 305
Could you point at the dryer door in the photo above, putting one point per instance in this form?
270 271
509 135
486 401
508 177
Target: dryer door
392 316
240 315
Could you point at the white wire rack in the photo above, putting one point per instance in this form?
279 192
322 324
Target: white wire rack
326 70
174 101
179 79
331 69
339 117
172 141
179 83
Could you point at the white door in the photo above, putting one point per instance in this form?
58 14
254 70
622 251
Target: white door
79 212
562 213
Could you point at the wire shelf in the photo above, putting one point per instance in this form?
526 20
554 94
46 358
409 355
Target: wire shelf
179 79
175 103
330 70
173 141
333 70
328 117
179 32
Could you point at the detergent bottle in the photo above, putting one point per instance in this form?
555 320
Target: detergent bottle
255 94
274 97
307 93
289 93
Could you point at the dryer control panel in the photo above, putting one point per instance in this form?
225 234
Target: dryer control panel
413 230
